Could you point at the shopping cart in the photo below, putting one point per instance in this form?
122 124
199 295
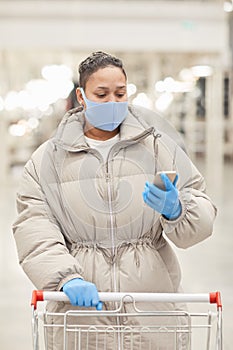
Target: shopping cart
81 329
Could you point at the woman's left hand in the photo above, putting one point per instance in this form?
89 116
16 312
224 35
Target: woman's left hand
165 202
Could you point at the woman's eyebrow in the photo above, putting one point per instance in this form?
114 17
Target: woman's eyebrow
106 88
121 87
102 88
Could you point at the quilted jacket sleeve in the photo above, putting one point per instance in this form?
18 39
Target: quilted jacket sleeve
41 247
198 212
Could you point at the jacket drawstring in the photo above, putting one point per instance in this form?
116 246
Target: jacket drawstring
119 250
156 150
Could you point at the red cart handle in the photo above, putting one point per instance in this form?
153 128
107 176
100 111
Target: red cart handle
215 298
37 295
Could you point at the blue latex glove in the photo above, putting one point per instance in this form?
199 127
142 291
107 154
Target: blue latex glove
165 202
82 293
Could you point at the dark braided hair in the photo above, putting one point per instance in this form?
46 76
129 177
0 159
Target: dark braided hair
94 62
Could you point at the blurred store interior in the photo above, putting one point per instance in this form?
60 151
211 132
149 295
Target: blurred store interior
178 56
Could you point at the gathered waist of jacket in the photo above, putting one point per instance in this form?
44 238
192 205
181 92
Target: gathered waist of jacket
112 255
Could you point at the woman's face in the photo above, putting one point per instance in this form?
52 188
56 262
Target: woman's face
105 85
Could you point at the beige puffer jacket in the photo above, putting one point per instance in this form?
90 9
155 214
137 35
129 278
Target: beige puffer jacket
81 217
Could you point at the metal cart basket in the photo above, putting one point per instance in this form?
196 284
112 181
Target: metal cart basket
130 326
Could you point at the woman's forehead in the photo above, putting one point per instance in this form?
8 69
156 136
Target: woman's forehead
107 75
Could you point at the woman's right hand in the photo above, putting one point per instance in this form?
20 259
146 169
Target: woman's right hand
82 293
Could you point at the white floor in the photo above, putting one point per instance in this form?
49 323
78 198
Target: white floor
206 267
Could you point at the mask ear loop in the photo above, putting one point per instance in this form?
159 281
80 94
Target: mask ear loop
83 96
82 92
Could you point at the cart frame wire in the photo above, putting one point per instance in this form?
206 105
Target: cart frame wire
118 330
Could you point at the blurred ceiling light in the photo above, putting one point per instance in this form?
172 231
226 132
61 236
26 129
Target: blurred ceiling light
18 129
37 88
23 126
43 107
228 6
202 71
49 111
12 101
171 85
33 123
186 74
159 86
40 93
142 100
165 85
25 100
56 72
164 101
43 92
64 89
131 89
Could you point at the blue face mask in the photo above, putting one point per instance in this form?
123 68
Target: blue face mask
105 116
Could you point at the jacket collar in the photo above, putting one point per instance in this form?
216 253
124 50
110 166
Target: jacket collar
70 134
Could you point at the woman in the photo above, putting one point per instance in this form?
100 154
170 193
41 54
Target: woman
90 218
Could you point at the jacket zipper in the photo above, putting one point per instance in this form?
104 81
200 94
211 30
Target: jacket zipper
112 233
112 228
